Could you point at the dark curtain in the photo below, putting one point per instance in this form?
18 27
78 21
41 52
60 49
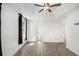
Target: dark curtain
0 32
20 29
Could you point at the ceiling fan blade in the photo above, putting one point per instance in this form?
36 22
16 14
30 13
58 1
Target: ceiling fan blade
46 4
49 10
41 10
38 5
54 5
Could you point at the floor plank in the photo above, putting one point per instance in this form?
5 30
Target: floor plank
44 49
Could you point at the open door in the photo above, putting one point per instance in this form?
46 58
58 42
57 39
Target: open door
0 33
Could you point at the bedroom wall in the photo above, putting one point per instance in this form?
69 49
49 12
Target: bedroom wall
9 30
72 32
46 30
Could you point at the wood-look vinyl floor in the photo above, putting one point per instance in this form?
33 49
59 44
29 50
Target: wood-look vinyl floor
44 49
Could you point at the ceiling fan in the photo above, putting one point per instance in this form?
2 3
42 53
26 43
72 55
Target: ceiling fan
47 6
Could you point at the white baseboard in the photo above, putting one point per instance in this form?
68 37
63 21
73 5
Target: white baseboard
18 48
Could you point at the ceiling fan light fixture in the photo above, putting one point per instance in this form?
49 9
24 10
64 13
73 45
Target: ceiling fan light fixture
47 7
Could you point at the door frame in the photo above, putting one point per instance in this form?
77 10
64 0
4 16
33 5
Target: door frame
0 32
20 41
26 28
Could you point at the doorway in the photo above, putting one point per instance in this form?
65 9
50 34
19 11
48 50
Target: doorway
0 32
22 22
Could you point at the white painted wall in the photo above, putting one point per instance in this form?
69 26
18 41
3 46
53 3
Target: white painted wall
72 32
51 31
9 30
32 30
46 30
